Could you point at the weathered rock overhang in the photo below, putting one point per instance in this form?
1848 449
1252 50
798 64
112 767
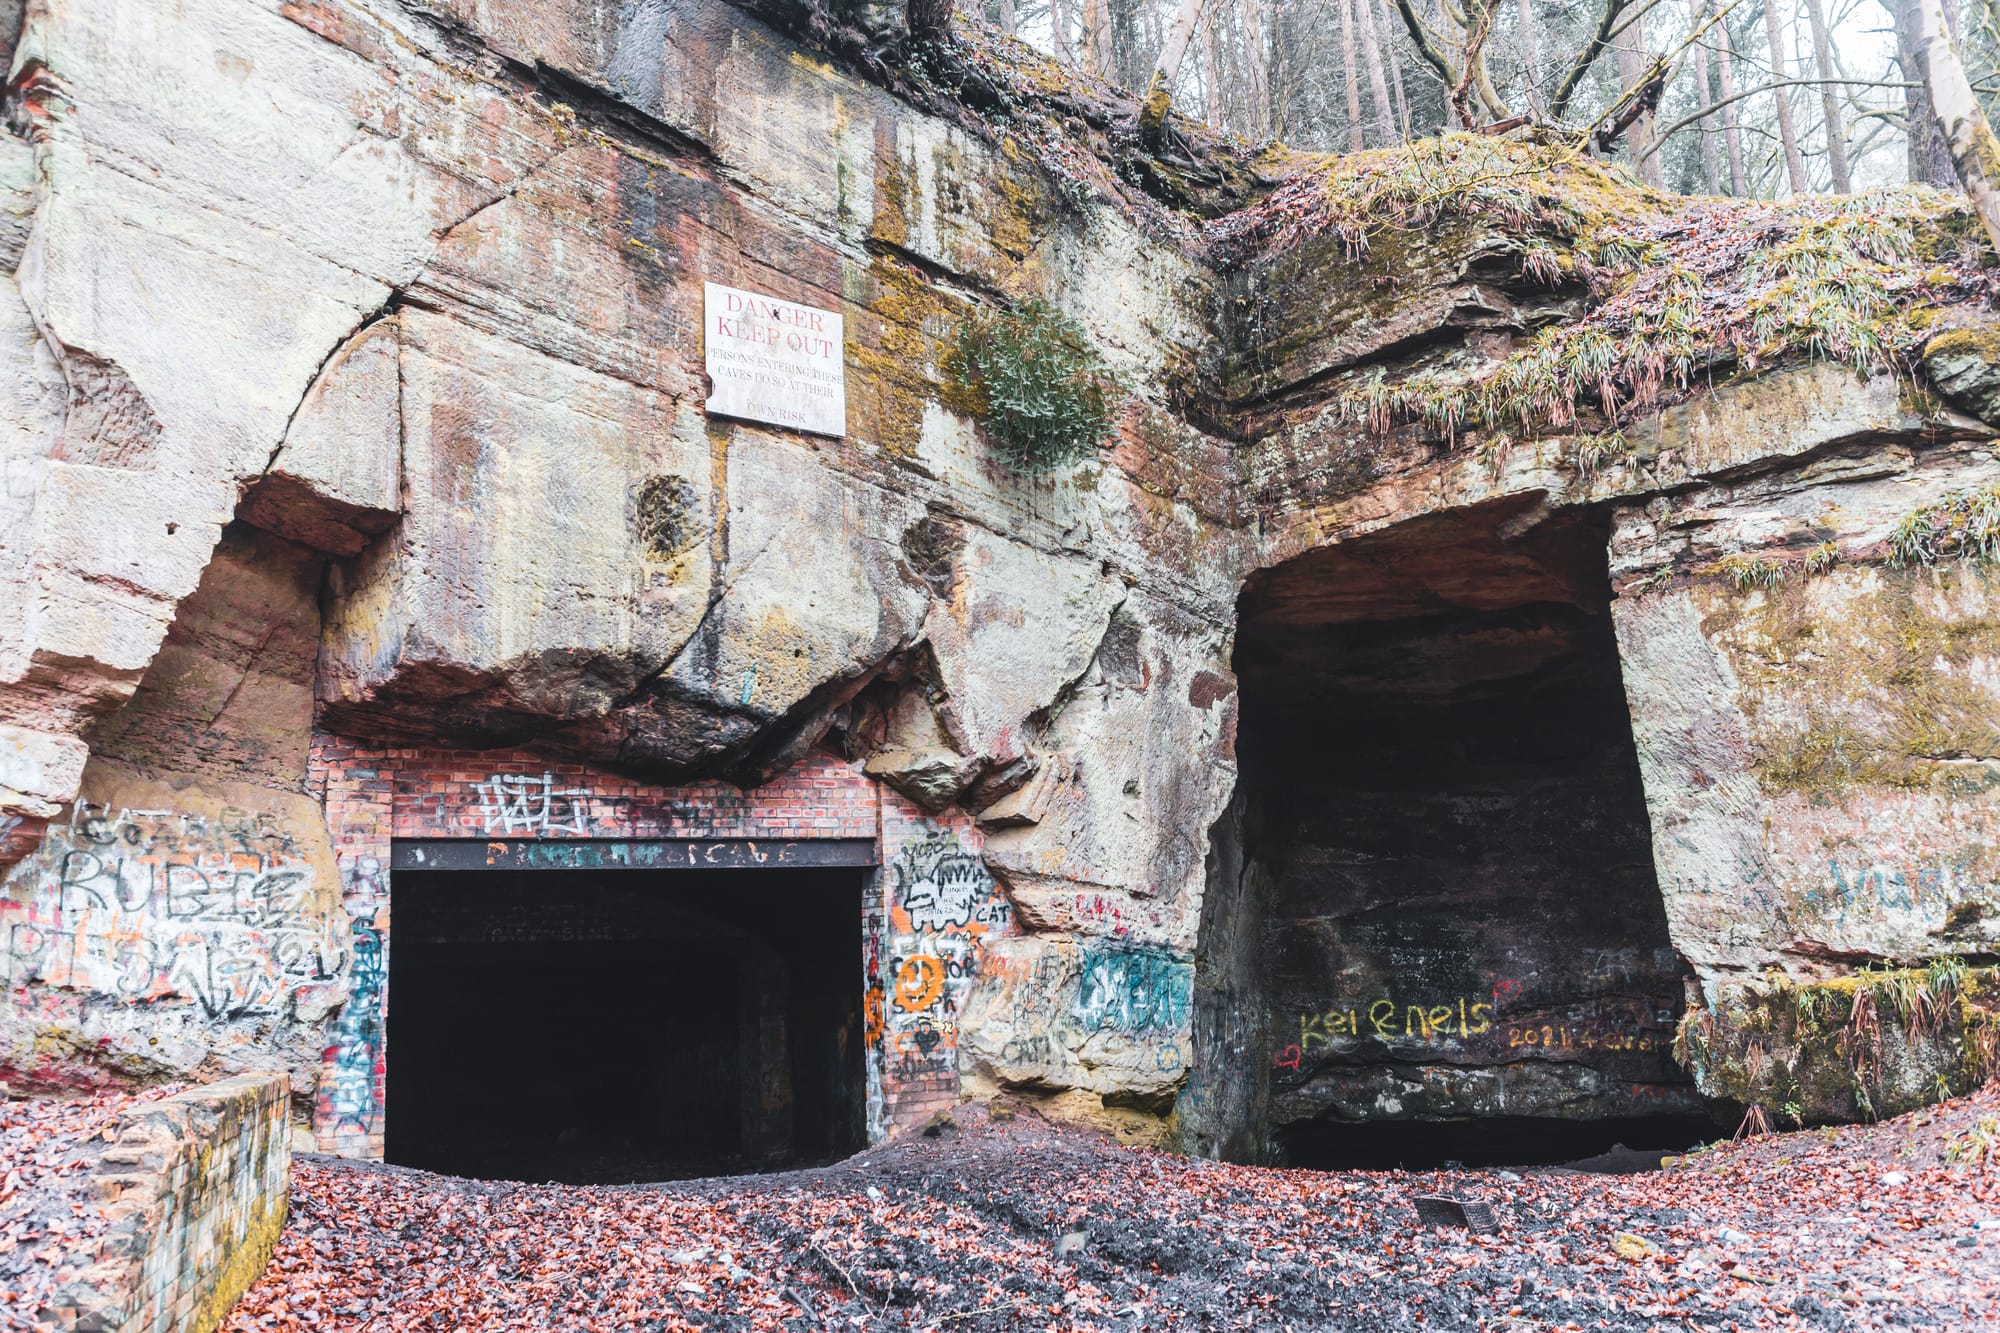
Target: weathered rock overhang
476 449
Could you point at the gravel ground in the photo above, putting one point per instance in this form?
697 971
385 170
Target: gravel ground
47 1219
1013 1223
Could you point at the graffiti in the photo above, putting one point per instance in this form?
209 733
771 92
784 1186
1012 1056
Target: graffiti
921 1053
1133 991
1627 966
150 906
871 1016
919 983
520 803
1591 1036
940 885
1383 1017
1026 1050
1887 887
941 906
353 1058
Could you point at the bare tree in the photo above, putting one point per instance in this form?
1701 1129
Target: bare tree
1059 21
1531 61
1378 23
1781 97
1711 170
1635 67
1097 38
1256 60
1465 75
1167 67
1930 160
1378 82
1347 55
1585 58
1732 132
1974 150
1836 138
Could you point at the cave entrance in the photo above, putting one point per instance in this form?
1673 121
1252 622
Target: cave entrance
1459 948
613 1023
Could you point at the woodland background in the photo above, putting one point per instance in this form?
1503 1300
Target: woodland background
1753 98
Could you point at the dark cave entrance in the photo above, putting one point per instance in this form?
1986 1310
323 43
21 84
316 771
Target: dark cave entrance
1434 898
620 1025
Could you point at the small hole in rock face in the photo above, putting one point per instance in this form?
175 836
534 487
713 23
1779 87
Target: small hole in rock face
172 528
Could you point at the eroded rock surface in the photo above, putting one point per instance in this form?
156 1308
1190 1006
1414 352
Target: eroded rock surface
353 380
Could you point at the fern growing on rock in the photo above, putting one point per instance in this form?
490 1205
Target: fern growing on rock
1029 377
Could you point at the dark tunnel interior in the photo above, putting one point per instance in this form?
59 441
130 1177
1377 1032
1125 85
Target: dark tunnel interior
624 1025
1453 939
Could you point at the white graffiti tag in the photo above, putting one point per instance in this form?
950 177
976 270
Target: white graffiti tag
523 803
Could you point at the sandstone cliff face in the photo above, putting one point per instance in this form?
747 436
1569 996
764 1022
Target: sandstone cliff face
355 382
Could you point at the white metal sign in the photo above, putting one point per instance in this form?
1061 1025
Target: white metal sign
775 361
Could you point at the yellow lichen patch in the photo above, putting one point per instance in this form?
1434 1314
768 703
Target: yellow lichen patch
1898 662
898 196
912 320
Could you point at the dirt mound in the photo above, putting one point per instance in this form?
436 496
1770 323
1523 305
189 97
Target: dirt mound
1016 1223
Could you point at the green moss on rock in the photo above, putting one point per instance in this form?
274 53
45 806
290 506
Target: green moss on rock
1873 1043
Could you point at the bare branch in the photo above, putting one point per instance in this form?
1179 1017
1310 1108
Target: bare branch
1432 56
1559 104
1772 86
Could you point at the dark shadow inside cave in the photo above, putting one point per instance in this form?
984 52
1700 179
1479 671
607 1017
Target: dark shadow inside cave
1440 911
624 1025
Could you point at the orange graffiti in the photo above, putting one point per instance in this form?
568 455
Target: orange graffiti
919 983
871 1015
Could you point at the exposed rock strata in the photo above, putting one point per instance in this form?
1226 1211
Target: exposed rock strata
417 290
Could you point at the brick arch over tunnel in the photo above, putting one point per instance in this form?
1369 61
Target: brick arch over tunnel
1433 929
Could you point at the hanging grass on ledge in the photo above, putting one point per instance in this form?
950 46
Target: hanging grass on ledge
1028 376
1722 286
1525 187
1963 526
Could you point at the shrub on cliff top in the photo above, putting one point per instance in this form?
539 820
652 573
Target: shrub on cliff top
1029 377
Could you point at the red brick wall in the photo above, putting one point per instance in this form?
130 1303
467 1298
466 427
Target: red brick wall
923 919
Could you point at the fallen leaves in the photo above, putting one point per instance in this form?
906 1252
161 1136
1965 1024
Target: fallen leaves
979 1230
48 1222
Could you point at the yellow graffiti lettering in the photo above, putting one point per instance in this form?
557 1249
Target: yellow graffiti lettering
1382 1014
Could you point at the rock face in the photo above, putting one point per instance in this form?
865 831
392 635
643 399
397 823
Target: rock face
356 410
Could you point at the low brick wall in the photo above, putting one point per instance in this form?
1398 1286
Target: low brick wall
196 1188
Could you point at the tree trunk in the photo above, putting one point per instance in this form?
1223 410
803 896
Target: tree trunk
1634 64
1929 156
1059 21
1256 64
1732 130
1974 150
930 20
1795 165
1531 63
1211 76
1378 82
1836 136
1167 67
1711 170
1378 18
1097 38
1355 142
